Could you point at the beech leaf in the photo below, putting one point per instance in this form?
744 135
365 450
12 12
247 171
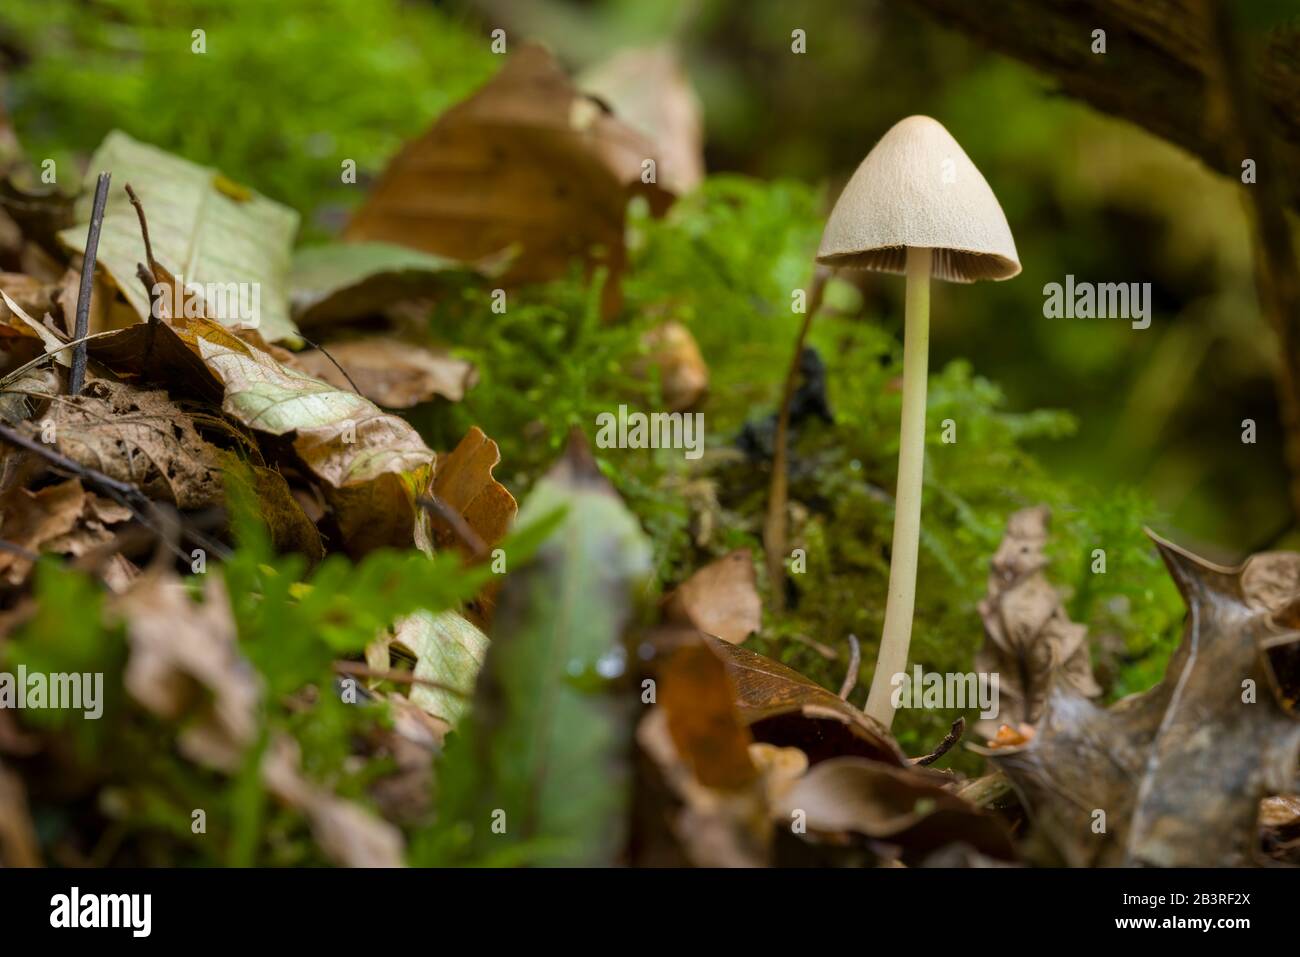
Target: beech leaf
205 231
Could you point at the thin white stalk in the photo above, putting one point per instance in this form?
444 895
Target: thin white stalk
892 657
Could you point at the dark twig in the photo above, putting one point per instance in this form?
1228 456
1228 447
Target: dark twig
342 370
13 548
124 493
144 231
457 522
774 527
149 276
78 376
404 677
951 738
855 661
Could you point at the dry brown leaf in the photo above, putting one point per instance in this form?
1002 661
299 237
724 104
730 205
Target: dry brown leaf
683 375
184 655
347 832
463 481
648 89
62 518
1179 770
140 437
720 599
388 372
892 804
1029 640
31 295
527 162
372 465
31 519
782 707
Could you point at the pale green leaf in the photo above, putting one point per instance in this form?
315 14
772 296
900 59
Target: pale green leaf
343 280
203 227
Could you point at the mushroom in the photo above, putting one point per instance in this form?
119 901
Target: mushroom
918 206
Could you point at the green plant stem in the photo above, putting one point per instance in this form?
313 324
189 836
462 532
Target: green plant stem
892 656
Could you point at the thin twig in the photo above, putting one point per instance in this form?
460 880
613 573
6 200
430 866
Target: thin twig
149 276
855 661
342 370
404 677
774 527
144 230
124 493
16 373
13 548
462 528
951 738
78 376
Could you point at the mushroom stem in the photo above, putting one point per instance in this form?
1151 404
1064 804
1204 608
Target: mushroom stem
891 659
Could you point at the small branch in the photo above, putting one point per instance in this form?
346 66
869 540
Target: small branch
462 528
13 548
109 484
342 371
16 373
144 231
774 528
124 493
404 677
951 738
855 661
78 376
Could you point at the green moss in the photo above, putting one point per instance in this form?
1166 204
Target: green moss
282 95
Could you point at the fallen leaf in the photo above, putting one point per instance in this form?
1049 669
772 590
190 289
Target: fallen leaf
463 481
372 464
207 236
447 649
650 92
683 375
135 436
286 521
782 707
184 659
347 832
24 325
527 161
28 295
340 281
1178 771
1029 640
720 599
892 804
62 518
388 372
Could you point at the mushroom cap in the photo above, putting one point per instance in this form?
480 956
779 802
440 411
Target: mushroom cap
917 187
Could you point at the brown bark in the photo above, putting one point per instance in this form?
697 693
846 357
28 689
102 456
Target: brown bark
1183 70
1154 72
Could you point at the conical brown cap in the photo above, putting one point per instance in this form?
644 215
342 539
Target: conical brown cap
917 187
